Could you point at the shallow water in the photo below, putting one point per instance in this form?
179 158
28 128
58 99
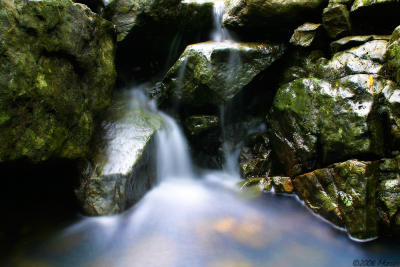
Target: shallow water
205 222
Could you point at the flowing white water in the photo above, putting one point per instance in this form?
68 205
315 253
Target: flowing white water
173 159
219 33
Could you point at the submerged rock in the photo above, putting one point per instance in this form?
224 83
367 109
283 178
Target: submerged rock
213 73
56 74
124 168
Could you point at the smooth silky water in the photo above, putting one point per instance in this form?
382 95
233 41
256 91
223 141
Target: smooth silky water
202 218
192 219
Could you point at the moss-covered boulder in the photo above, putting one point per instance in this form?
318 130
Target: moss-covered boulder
362 196
336 20
56 75
124 166
259 15
314 122
343 194
212 73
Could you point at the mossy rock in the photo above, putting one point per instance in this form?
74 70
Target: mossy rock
212 73
57 74
363 196
314 123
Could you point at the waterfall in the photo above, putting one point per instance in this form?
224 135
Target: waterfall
173 159
219 33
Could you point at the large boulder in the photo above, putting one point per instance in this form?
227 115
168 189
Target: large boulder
212 73
56 75
257 16
362 196
313 122
123 168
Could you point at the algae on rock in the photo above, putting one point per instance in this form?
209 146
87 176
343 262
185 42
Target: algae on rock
56 74
213 73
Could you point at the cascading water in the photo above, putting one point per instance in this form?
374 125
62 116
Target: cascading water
173 160
185 221
219 33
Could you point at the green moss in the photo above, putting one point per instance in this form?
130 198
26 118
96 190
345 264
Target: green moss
56 73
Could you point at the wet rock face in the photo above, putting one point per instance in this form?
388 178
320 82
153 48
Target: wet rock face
361 196
56 74
341 114
124 167
243 15
254 157
323 123
213 73
344 194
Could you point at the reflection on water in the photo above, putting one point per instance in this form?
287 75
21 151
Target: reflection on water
204 223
